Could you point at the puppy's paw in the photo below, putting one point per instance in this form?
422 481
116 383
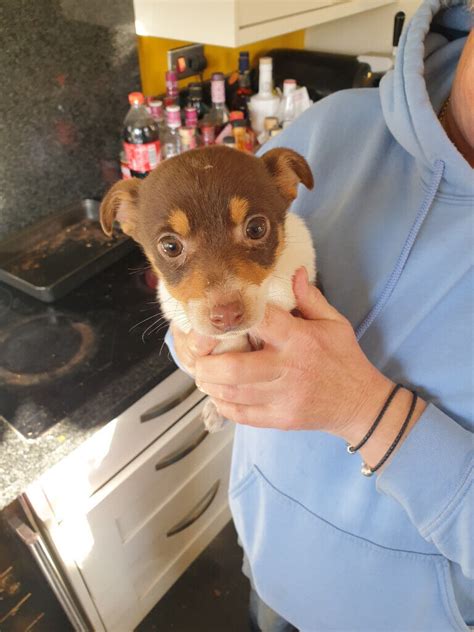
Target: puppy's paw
213 420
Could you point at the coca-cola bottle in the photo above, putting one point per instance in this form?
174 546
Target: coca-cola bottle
140 137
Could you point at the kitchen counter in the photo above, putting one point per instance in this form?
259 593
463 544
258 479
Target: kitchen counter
123 365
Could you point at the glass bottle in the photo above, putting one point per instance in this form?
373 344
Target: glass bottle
244 91
264 103
219 114
195 99
171 141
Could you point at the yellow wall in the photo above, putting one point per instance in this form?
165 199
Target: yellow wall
153 61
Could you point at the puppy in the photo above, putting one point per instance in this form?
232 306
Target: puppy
215 227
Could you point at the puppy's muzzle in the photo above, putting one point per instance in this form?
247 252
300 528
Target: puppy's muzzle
227 316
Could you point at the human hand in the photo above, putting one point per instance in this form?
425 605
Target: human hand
310 375
190 346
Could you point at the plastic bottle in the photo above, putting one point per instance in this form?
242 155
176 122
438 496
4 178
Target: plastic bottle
171 141
141 142
264 103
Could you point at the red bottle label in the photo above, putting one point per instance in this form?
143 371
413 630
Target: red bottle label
142 158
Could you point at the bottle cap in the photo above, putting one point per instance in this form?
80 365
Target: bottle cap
173 116
270 122
155 103
244 61
235 115
266 61
240 123
136 98
191 115
289 85
217 76
195 90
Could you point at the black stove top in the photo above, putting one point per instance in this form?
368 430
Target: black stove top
53 358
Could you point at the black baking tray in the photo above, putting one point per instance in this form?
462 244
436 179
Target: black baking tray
51 257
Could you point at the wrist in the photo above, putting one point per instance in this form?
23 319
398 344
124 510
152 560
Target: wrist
382 438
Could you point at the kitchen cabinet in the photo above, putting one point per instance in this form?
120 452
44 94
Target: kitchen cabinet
238 22
125 531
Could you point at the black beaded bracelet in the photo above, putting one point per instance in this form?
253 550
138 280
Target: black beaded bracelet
366 470
353 448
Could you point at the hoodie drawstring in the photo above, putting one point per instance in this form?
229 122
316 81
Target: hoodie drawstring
425 206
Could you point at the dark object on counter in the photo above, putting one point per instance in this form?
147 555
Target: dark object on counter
55 255
321 73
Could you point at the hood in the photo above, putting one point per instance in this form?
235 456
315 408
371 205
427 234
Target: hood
413 93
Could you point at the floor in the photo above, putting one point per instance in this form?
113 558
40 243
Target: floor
211 596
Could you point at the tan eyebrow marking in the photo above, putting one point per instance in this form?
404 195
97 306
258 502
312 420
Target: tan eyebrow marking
238 209
178 220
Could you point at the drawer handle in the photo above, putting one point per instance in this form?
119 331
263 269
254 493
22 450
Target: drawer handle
168 404
180 453
196 512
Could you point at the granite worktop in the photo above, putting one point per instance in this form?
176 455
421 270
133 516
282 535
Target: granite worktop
134 362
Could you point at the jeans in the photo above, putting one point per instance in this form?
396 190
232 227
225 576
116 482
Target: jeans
261 617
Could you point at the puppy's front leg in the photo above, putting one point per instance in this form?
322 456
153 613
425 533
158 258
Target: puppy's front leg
213 421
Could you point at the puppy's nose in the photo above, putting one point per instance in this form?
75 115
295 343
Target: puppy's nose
227 316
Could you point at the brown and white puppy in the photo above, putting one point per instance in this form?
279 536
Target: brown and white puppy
215 226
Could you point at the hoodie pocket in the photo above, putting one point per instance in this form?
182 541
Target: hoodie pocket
321 578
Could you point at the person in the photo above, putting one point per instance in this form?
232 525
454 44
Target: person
392 218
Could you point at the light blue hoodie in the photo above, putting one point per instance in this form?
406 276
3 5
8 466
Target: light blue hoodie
392 220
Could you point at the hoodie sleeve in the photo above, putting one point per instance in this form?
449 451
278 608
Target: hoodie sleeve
170 344
431 477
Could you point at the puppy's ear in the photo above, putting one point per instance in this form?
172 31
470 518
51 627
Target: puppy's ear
288 169
121 204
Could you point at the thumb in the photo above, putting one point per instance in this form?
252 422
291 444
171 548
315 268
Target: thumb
309 300
274 327
201 345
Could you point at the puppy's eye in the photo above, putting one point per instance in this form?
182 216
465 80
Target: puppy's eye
171 246
256 227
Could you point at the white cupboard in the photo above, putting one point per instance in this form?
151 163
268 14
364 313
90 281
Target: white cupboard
238 22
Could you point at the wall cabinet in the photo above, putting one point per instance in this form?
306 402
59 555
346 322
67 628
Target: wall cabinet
239 22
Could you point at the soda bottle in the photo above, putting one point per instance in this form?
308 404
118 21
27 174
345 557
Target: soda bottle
140 138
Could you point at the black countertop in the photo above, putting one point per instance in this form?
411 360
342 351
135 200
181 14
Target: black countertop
123 365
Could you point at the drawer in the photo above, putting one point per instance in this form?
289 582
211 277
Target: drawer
72 481
142 531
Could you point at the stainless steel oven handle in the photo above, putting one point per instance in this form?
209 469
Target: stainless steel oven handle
181 452
167 404
50 570
196 512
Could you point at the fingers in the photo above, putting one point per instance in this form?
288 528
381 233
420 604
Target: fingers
238 368
248 415
190 346
248 394
311 303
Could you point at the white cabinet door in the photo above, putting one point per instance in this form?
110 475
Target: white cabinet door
145 527
239 22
